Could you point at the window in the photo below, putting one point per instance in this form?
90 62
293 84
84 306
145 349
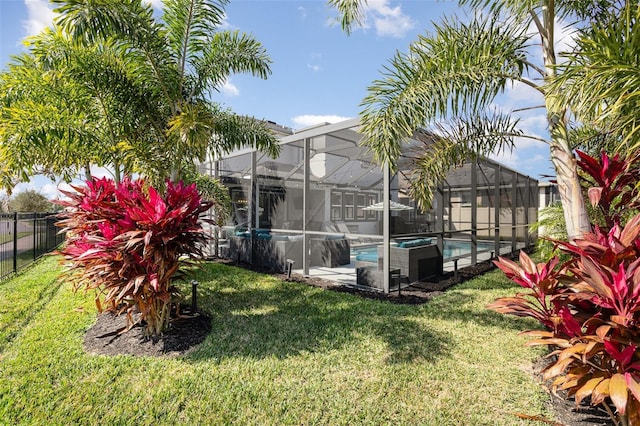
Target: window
349 207
336 205
360 205
371 200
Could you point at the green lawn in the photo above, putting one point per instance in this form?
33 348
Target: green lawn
5 238
279 353
24 259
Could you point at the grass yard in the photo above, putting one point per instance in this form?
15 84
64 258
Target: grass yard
24 259
279 353
5 238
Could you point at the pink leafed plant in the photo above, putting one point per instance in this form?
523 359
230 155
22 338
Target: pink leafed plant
590 305
129 243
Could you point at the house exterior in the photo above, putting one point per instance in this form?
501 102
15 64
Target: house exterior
548 194
324 206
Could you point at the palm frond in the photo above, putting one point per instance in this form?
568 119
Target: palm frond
94 21
189 25
601 81
593 140
461 69
234 131
230 52
453 143
351 13
579 9
190 131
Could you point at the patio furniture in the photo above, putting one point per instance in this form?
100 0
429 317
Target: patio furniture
272 251
416 259
269 253
330 251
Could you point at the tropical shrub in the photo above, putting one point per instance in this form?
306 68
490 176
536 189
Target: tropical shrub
129 243
589 305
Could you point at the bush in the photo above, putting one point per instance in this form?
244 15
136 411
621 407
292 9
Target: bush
590 304
129 244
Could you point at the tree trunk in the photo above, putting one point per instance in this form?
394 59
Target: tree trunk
116 172
562 157
573 205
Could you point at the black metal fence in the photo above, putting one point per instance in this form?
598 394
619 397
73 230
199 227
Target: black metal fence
24 237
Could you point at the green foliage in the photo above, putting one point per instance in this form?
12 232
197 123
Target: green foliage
212 191
457 72
593 140
550 227
590 305
112 85
600 80
351 13
30 200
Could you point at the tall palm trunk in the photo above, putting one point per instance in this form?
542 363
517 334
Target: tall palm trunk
562 157
564 162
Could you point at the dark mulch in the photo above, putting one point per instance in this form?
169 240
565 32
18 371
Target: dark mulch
186 331
568 414
565 409
190 330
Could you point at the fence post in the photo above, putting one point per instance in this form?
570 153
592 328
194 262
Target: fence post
35 236
15 242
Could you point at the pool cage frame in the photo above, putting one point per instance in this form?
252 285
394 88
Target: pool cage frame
324 185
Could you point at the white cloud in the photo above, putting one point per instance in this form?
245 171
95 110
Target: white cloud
302 11
24 186
315 59
529 157
50 190
535 125
225 25
101 172
229 89
520 94
508 158
388 21
311 120
40 15
565 37
157 4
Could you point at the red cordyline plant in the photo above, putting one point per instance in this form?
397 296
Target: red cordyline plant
129 243
590 305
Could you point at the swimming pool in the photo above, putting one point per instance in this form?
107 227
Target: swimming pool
452 248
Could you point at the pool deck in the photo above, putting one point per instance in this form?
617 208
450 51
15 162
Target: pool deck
346 274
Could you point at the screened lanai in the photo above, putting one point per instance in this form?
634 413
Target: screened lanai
324 208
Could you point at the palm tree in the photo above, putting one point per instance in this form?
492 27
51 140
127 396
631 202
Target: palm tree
601 82
455 75
67 106
141 90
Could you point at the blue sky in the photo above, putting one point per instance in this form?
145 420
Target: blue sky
319 74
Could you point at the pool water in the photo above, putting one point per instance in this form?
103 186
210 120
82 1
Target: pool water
462 248
451 249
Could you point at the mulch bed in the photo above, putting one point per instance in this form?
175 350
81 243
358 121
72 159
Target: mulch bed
186 332
565 409
108 336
